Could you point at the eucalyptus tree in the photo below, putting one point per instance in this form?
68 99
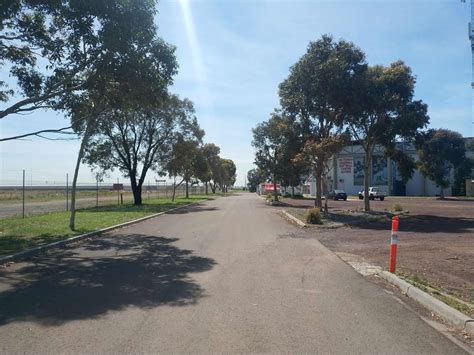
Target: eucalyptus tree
211 153
183 162
383 110
292 171
317 92
441 152
318 154
137 141
270 143
254 178
132 67
56 50
228 174
202 169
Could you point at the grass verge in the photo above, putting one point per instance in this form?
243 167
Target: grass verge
435 291
17 234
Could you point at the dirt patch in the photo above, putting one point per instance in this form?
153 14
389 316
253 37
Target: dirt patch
436 239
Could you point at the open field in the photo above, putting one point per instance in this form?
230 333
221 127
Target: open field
17 234
435 245
14 195
39 201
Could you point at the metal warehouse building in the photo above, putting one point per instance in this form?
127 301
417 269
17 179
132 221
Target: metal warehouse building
347 173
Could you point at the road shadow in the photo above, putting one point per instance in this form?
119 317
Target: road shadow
455 199
99 276
424 224
193 208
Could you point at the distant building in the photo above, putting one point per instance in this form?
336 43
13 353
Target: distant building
347 173
267 188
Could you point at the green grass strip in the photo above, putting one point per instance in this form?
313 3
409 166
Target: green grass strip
17 234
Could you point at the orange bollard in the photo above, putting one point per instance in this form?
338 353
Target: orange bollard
393 245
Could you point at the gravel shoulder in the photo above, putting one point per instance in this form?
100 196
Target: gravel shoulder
435 245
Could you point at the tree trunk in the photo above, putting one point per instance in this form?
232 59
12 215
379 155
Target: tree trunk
213 187
137 191
367 162
441 192
174 191
326 197
317 200
85 140
187 189
275 192
206 188
292 192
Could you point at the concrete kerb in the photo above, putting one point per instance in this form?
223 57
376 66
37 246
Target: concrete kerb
293 219
36 250
451 315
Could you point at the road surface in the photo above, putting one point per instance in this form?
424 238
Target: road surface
226 275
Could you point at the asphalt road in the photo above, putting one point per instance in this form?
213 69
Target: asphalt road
228 275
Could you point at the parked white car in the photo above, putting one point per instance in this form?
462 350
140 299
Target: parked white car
374 192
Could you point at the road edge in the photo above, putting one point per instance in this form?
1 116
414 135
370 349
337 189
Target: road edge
293 219
449 314
33 251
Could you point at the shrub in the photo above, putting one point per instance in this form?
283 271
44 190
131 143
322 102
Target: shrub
269 197
398 208
313 216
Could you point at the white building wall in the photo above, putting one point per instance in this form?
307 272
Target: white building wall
416 185
345 174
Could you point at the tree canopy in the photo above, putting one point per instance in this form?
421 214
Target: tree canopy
59 51
183 162
384 111
227 176
318 92
254 178
274 142
441 152
136 141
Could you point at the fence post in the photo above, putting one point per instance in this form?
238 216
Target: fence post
67 192
23 194
393 245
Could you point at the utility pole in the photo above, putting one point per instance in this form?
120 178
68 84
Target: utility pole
471 38
67 192
23 196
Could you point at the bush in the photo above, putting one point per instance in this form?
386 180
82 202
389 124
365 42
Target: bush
398 208
269 197
313 216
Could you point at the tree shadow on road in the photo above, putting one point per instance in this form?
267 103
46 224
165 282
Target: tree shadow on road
198 207
101 276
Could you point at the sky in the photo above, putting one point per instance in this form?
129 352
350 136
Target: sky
233 54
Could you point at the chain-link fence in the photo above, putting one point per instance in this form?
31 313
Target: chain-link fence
25 196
